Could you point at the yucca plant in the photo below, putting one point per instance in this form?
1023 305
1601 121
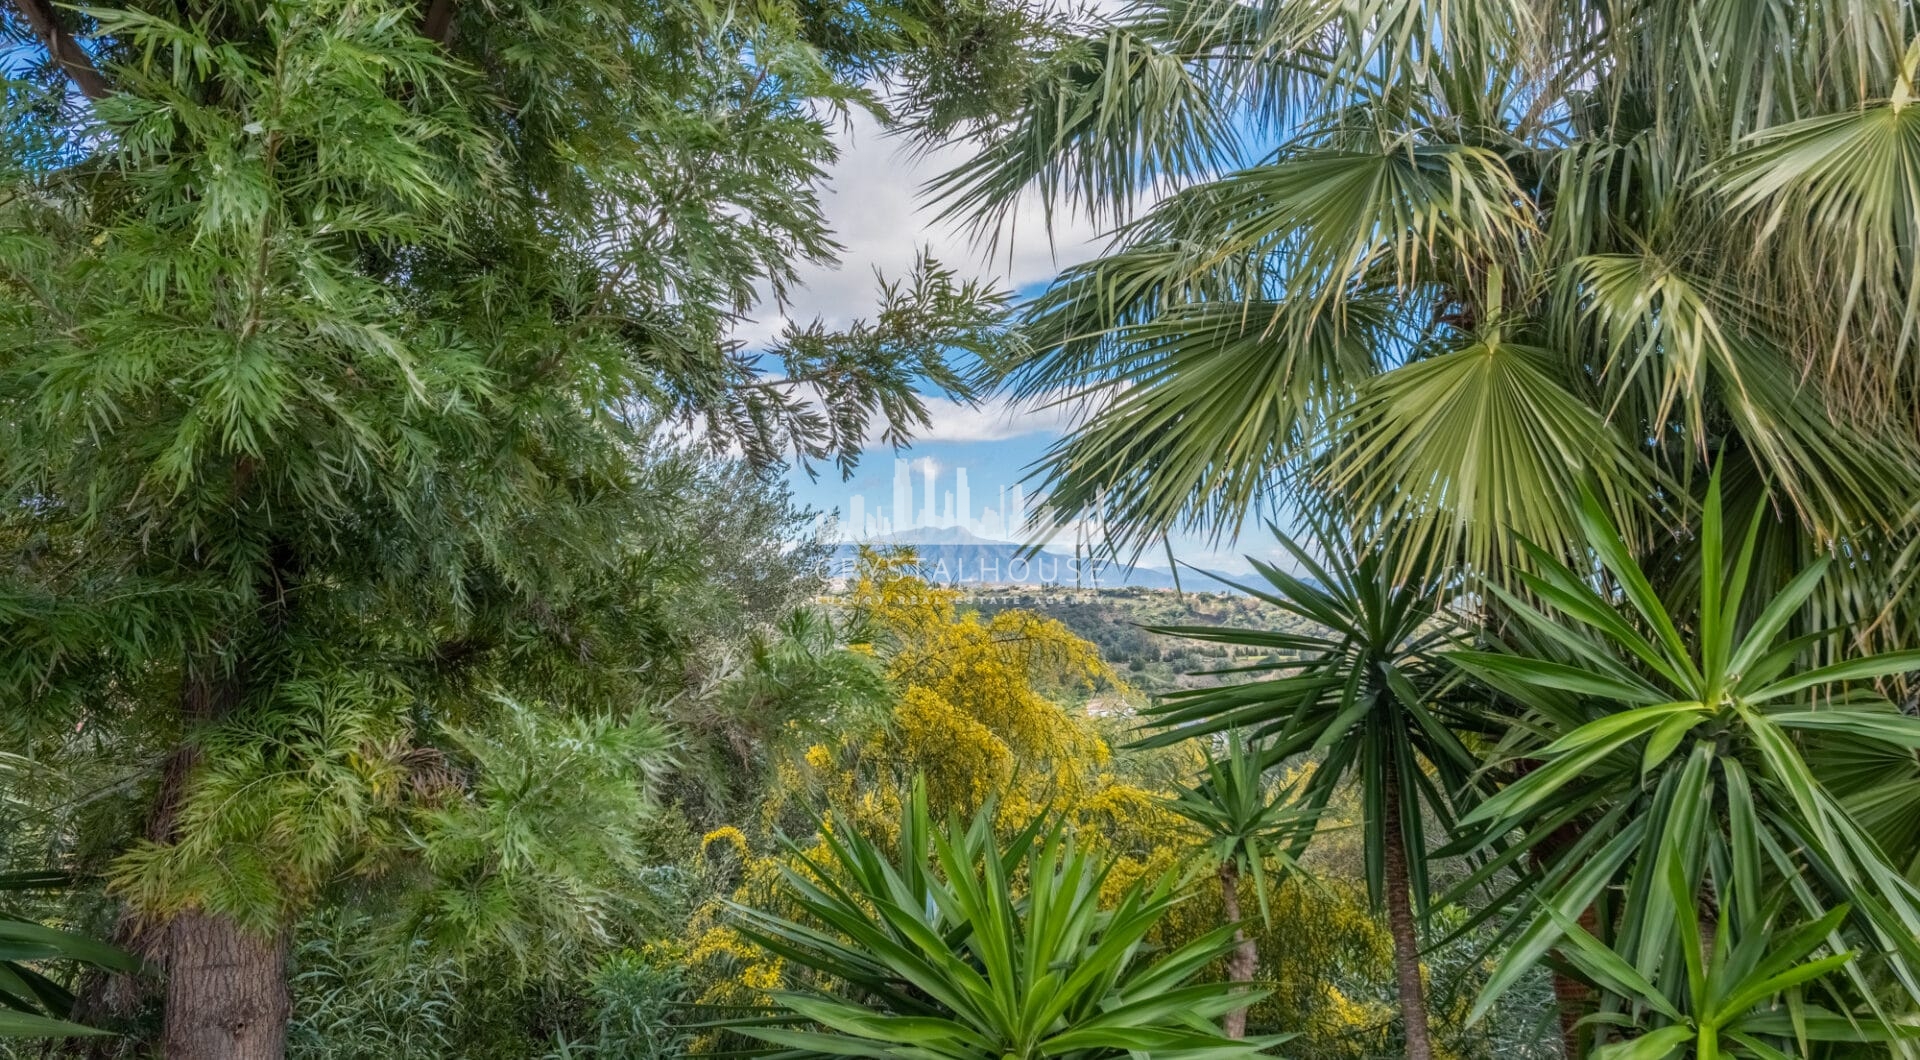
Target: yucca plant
1366 695
1674 734
33 1002
1738 990
1245 823
956 945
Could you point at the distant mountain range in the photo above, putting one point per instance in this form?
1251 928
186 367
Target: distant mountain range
951 555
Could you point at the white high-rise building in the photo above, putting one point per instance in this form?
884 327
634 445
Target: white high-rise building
902 494
856 528
963 502
930 516
1016 513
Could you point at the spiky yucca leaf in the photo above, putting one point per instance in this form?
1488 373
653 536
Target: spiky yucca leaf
1674 731
959 945
1245 821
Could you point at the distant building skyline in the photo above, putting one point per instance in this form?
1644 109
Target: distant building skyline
937 507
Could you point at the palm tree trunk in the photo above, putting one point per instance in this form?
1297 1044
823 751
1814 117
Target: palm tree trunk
1572 998
1246 955
1406 941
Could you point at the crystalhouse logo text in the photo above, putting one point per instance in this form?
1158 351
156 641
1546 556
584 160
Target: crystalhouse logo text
1041 569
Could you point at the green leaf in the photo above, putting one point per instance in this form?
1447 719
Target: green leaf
1868 668
1886 727
32 1025
1667 738
1655 1045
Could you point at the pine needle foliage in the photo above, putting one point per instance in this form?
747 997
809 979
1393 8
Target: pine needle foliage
338 345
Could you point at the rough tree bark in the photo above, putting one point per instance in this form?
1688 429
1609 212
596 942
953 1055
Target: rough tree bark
226 991
1245 961
226 987
1406 940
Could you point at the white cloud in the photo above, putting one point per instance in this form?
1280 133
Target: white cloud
993 420
875 206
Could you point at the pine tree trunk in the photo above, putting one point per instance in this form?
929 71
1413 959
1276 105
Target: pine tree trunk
1406 941
1246 954
226 991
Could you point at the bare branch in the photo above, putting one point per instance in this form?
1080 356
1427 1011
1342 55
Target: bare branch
437 23
64 49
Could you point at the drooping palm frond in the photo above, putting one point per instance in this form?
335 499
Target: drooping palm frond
1106 117
1837 201
1700 215
1394 211
1198 408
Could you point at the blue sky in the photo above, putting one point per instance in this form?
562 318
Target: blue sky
873 204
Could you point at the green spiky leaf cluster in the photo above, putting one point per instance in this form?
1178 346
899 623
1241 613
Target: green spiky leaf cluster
961 945
1745 983
1245 822
1675 732
1364 693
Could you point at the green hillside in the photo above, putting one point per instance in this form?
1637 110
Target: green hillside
1117 619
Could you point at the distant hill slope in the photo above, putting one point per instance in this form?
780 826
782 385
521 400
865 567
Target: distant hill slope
952 556
1151 662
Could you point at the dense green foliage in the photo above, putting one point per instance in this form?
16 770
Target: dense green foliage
1497 290
342 350
408 648
1436 263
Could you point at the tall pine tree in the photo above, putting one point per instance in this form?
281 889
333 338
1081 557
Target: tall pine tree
329 331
